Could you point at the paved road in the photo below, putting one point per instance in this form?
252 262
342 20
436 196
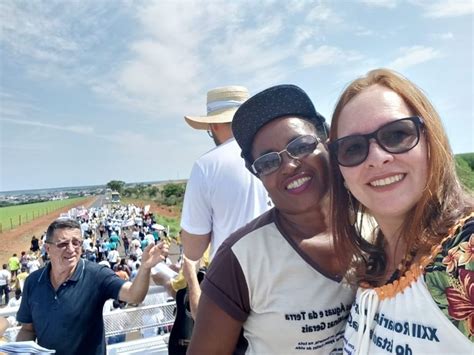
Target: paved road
99 201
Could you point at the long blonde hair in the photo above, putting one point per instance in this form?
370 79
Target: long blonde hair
443 200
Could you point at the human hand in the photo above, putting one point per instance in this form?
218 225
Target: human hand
153 254
190 268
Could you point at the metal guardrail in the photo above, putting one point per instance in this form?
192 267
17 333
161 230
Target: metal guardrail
127 320
124 321
154 312
157 345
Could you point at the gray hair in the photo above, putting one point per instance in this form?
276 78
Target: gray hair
61 223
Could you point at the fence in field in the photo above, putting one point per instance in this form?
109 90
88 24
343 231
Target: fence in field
14 216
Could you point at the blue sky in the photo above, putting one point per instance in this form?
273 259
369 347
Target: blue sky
96 90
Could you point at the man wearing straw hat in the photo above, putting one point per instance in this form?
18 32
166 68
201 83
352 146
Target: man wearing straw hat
221 195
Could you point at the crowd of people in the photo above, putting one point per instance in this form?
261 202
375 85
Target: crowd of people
298 237
115 237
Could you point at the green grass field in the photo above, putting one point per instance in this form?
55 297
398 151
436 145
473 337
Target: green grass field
173 223
13 216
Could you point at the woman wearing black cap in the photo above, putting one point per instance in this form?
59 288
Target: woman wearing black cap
278 279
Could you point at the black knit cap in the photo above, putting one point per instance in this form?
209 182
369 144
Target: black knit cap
272 103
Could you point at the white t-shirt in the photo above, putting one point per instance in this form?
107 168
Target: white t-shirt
4 277
222 195
113 256
86 243
287 305
150 239
33 265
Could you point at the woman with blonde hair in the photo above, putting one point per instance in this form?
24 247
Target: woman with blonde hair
391 161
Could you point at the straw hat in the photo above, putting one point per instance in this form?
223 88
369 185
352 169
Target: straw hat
221 105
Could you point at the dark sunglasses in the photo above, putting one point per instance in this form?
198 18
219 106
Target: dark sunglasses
76 243
296 149
395 137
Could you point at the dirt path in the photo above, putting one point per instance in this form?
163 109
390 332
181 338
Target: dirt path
18 239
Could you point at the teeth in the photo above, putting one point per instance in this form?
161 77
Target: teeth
387 181
297 183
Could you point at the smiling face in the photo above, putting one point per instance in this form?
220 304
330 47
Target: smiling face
298 184
64 260
389 185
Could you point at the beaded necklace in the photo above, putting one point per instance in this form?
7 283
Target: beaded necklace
402 267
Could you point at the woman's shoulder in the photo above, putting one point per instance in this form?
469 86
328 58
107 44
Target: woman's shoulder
449 276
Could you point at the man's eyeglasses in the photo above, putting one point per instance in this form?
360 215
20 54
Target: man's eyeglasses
76 243
296 149
395 137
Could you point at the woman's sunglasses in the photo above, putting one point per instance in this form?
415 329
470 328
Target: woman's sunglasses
395 137
296 149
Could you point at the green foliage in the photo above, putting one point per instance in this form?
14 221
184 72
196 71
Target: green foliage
116 185
129 192
173 189
171 200
465 169
153 191
468 157
170 194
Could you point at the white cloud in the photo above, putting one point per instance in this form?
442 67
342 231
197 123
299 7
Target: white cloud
175 51
327 55
413 56
71 128
322 13
446 36
181 52
448 8
30 30
16 104
303 33
362 31
58 38
294 6
389 4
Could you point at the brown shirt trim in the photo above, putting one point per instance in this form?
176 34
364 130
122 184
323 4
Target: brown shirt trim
225 282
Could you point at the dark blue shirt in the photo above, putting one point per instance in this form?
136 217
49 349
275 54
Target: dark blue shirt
69 320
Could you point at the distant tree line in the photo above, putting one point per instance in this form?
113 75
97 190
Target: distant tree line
170 194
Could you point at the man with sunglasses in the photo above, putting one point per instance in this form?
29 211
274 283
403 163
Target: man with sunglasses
62 302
